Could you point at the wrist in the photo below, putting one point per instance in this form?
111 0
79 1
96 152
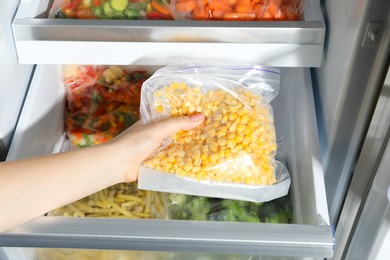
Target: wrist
120 164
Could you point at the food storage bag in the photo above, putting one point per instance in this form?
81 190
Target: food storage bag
111 9
186 207
228 10
232 154
238 10
102 101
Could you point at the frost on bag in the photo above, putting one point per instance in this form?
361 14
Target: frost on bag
101 102
231 155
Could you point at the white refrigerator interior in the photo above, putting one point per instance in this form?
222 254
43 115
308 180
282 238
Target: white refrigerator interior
14 78
41 131
323 132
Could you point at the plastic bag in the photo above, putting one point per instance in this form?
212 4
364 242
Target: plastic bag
231 155
118 201
102 101
229 10
111 9
185 207
238 10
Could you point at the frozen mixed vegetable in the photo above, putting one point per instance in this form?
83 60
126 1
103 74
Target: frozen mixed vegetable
186 207
238 10
111 9
228 10
235 144
102 101
118 201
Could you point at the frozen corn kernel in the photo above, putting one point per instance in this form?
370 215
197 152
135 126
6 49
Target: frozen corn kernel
236 143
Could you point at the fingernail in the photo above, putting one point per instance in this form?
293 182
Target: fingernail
197 117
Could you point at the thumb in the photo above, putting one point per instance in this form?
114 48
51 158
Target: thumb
163 129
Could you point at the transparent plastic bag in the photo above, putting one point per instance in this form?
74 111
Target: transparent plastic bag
238 10
186 207
232 154
101 102
122 200
111 9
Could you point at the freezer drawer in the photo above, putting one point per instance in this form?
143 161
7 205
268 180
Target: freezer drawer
71 41
40 131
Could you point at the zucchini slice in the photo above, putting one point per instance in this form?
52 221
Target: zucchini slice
118 5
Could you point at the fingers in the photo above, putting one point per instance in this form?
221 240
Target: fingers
173 125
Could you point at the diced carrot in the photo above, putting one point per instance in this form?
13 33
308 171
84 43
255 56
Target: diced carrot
244 6
201 13
186 6
273 7
160 8
85 14
218 14
258 10
71 4
96 2
221 5
232 2
265 16
238 17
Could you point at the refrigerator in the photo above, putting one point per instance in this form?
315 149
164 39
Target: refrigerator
332 109
14 76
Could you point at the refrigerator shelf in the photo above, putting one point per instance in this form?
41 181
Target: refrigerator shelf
147 42
40 131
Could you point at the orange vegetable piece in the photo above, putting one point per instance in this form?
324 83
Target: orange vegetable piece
96 2
258 10
218 14
265 16
232 2
238 17
244 6
221 5
83 13
160 8
273 7
201 13
186 6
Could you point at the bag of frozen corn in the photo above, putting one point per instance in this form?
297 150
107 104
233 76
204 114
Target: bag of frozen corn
232 154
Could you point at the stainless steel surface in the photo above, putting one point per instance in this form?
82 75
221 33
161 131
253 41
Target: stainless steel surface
288 44
169 235
375 212
311 235
347 87
300 32
373 33
366 169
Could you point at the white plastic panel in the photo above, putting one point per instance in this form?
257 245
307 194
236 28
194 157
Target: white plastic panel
40 131
14 78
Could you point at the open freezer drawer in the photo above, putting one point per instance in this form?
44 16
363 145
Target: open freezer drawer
40 131
40 40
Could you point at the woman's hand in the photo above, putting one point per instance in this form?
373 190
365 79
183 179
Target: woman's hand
137 143
31 187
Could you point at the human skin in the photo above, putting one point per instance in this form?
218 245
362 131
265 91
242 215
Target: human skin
31 187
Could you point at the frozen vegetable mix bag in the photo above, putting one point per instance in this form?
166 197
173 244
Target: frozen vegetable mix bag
238 10
232 154
101 101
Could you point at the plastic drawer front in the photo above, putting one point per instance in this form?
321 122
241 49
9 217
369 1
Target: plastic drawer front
58 41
